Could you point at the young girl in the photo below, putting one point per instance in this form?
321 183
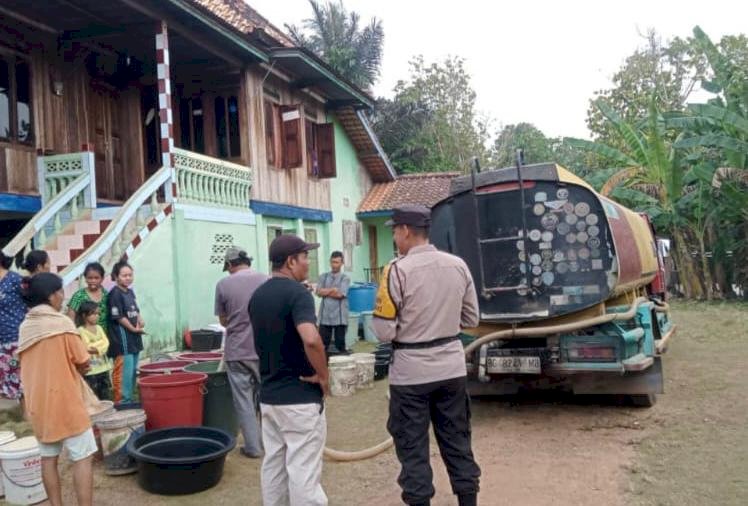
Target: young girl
94 291
87 319
126 331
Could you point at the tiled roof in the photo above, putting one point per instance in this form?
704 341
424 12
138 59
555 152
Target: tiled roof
243 18
367 147
426 189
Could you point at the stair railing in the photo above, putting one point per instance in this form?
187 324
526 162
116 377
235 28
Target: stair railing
66 183
128 221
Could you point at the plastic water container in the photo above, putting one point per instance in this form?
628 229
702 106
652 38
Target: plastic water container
116 430
369 334
6 437
22 471
343 376
351 333
102 410
172 400
200 356
362 296
218 403
365 369
163 367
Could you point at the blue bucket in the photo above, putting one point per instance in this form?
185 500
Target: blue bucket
361 297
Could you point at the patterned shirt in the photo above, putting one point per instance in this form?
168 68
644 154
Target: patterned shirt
82 296
334 311
12 308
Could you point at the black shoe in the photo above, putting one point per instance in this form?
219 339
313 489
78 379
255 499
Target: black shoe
467 499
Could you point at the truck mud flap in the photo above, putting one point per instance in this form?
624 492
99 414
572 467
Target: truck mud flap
649 381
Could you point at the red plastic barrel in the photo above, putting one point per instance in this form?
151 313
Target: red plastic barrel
200 356
164 367
172 400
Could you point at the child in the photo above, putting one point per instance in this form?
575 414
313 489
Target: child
126 331
97 344
94 291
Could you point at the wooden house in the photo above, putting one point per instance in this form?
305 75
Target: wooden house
165 131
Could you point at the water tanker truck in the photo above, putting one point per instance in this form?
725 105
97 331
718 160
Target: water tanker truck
570 284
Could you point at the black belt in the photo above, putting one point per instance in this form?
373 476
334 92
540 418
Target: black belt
397 345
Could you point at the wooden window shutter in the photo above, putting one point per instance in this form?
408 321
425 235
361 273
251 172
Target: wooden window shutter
326 150
270 144
312 164
291 145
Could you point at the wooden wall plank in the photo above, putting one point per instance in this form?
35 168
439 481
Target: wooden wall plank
282 186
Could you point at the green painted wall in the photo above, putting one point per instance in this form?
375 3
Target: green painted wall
349 187
176 271
155 288
198 257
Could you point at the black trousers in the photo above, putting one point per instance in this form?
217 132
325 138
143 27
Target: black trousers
101 385
446 405
328 331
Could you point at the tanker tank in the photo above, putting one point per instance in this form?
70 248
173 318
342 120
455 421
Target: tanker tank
546 248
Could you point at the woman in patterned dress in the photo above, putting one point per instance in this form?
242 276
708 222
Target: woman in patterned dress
12 313
94 291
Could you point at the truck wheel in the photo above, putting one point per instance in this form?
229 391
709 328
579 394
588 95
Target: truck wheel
643 400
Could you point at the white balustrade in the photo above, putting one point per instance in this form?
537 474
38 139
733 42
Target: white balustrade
209 181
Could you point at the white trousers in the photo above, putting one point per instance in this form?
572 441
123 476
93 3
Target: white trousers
294 439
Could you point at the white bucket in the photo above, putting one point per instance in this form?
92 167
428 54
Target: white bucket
116 431
343 376
22 471
6 437
96 413
365 369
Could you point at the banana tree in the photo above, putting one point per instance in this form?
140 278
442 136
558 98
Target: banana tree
651 165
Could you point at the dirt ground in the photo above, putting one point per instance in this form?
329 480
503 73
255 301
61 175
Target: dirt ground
690 449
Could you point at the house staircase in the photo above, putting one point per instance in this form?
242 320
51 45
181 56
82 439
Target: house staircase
74 232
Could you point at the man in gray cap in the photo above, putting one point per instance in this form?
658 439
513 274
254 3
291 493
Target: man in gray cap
425 298
242 364
293 366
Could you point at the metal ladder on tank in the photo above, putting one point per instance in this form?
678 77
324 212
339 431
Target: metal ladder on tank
487 292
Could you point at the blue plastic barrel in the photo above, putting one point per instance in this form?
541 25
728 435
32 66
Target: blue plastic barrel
361 297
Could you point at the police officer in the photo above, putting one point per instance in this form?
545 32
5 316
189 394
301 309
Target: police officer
426 296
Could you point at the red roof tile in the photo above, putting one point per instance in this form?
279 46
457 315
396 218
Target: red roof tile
243 18
426 189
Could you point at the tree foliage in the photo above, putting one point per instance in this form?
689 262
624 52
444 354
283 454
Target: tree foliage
432 124
669 72
338 36
526 136
686 164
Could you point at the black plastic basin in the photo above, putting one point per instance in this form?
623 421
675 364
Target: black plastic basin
180 460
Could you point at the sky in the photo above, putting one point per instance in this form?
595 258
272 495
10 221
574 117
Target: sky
530 60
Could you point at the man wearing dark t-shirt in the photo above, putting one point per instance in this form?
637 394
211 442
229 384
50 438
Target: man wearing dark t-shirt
293 368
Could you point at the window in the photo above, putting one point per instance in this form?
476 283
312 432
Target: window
227 127
320 149
290 138
191 135
310 235
16 116
270 145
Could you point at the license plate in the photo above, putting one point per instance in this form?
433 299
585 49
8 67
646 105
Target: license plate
506 365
